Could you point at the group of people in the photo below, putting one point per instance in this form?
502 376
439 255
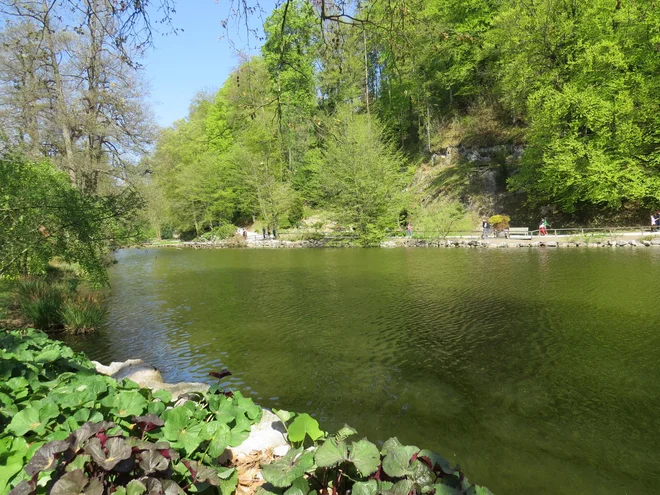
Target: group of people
266 231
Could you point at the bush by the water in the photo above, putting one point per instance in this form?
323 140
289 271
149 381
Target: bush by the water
220 233
499 222
54 304
83 314
66 429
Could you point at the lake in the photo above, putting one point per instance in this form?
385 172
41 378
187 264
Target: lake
536 370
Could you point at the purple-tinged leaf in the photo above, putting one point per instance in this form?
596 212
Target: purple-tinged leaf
148 422
152 461
45 459
72 483
125 466
169 454
118 450
95 487
88 430
220 375
171 488
25 487
202 473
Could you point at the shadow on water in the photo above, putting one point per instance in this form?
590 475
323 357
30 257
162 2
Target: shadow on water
536 370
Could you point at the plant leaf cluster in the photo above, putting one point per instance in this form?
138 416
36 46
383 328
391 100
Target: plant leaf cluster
66 429
338 464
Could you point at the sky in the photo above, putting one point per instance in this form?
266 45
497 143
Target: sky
195 59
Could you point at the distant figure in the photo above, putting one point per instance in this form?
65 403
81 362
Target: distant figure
409 230
263 230
269 231
543 227
485 227
654 222
274 233
245 234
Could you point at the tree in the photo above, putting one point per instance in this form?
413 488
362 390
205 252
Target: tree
74 92
585 75
43 217
362 175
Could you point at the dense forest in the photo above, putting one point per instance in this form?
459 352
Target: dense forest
356 115
338 113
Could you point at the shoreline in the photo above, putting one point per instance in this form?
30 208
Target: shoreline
546 242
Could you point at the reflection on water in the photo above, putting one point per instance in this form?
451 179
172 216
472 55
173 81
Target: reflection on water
538 371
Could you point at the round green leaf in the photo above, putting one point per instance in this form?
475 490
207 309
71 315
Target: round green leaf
304 425
365 456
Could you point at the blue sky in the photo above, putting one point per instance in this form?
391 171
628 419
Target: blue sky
195 59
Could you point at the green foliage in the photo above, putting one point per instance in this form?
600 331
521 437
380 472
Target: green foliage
53 302
333 463
499 222
58 417
585 77
361 176
321 116
83 314
441 217
220 233
42 306
42 217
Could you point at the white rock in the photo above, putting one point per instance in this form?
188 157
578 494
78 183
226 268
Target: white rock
147 376
269 433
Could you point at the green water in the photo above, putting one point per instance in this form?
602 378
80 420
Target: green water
538 371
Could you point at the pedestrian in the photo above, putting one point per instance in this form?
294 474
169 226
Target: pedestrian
269 231
409 230
485 227
543 227
654 221
263 230
245 234
274 233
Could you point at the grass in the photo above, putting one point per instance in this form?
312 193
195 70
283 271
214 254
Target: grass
83 314
52 302
40 301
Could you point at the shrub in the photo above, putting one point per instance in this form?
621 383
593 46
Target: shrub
236 241
499 222
41 302
297 211
50 303
371 237
83 314
219 233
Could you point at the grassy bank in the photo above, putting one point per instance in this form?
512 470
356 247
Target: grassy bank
58 300
66 429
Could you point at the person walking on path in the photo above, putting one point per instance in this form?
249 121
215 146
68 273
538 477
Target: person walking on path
263 231
654 222
409 230
485 226
543 227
